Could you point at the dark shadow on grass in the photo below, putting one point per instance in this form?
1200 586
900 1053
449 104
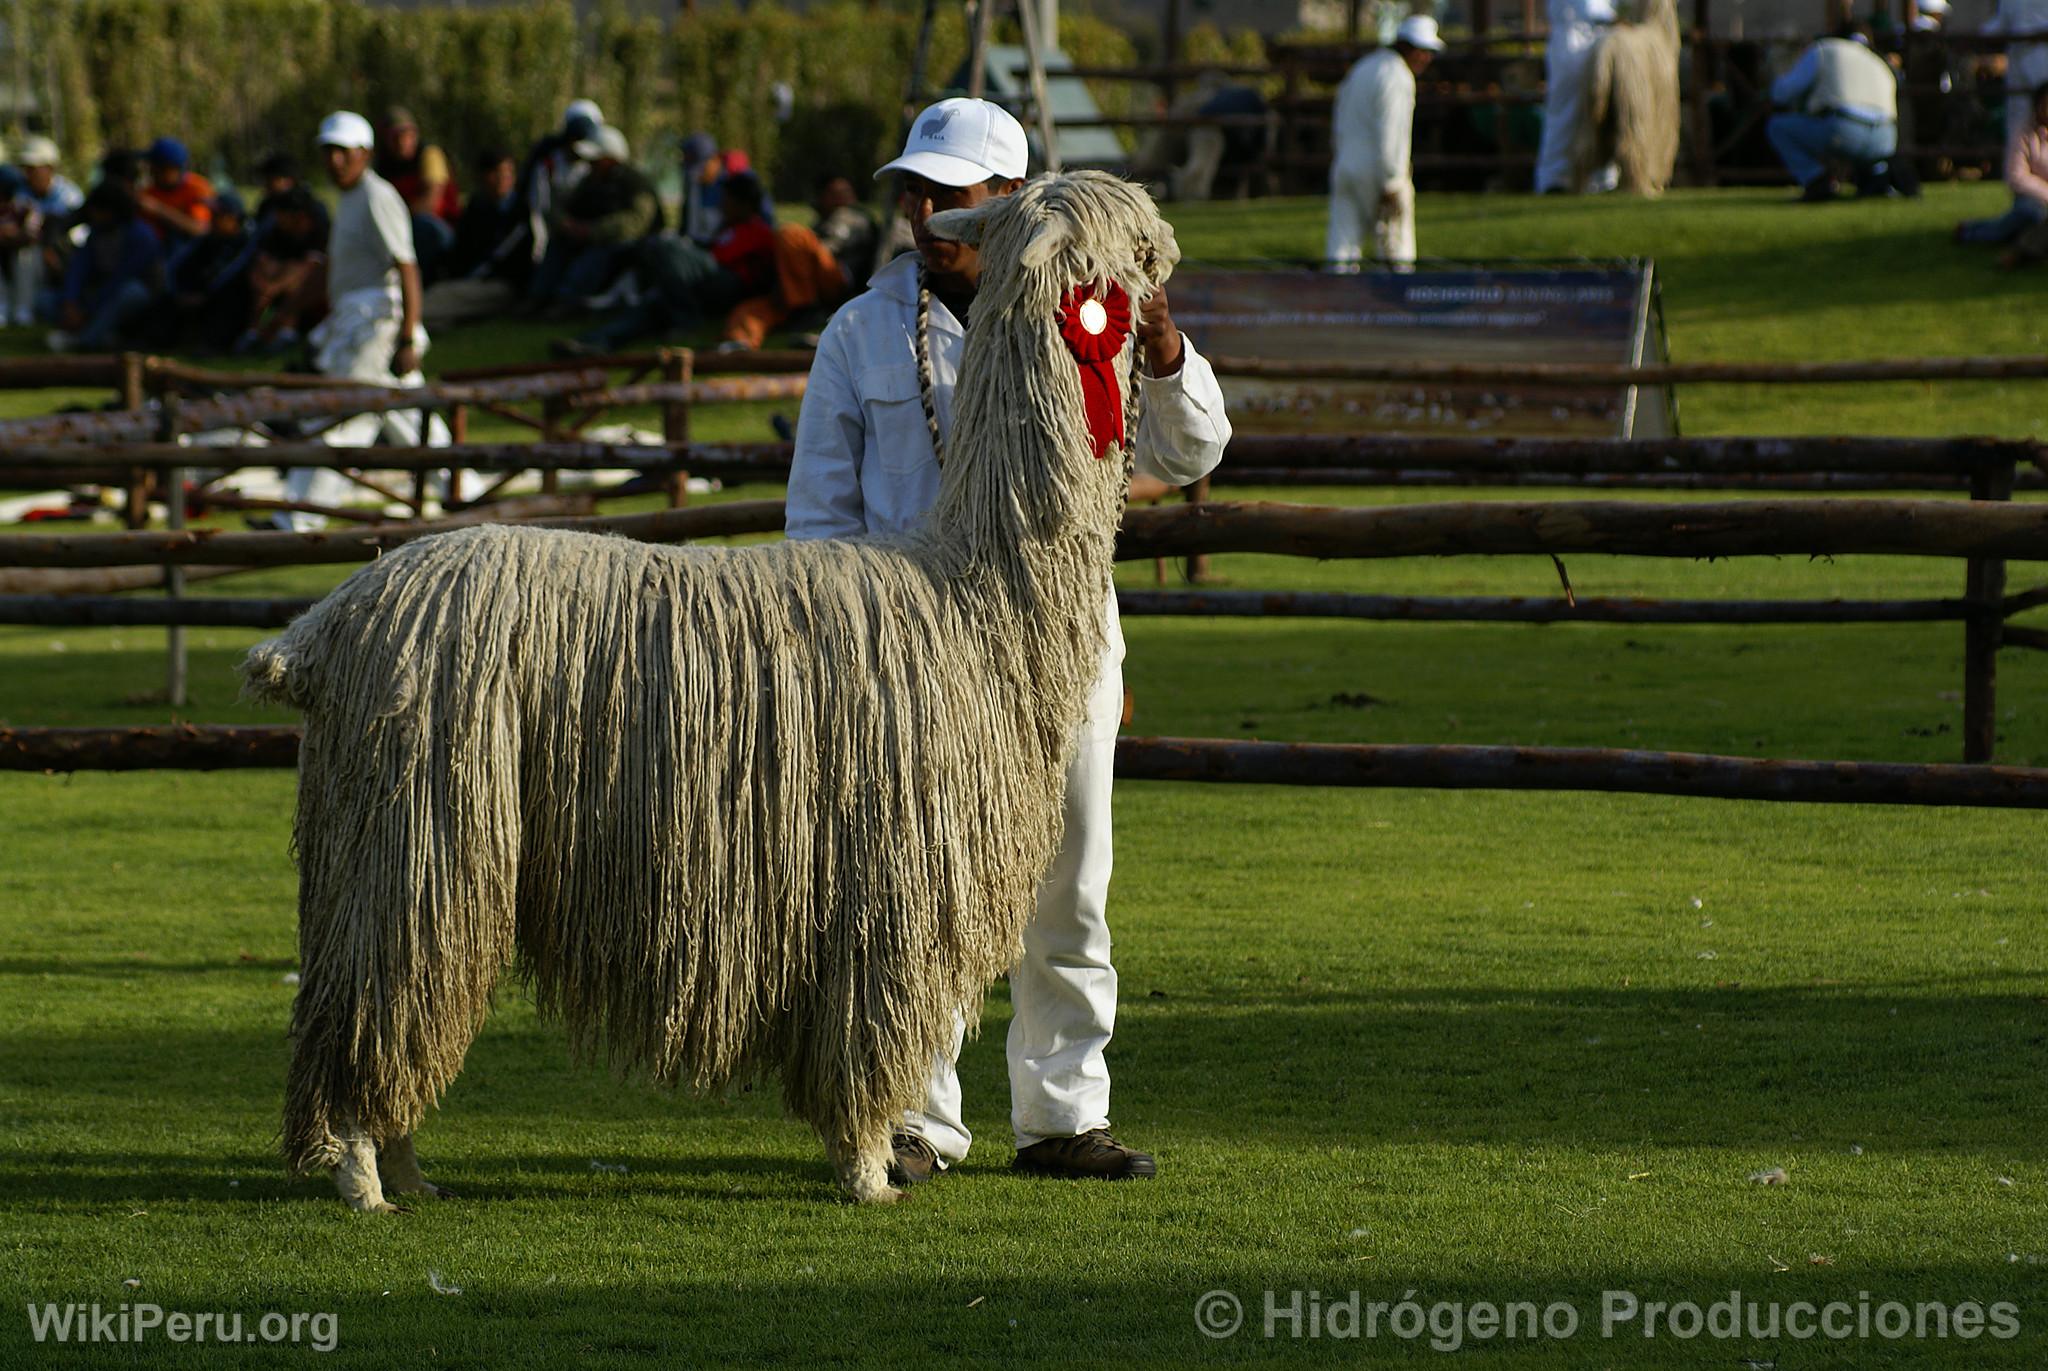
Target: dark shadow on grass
1930 1067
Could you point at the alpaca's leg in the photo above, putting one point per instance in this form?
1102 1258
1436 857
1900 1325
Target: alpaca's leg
863 1168
355 1176
400 1168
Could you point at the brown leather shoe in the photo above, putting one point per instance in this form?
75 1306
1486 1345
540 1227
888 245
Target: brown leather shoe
912 1160
1093 1155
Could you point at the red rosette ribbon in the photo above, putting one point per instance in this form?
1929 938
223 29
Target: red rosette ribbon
1095 323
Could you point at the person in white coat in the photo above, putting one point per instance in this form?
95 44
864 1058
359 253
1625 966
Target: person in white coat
1576 28
869 443
1372 136
372 331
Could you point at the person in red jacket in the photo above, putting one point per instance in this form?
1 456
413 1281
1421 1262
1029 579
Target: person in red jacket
689 285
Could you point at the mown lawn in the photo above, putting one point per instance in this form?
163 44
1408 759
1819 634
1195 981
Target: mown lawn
1477 1047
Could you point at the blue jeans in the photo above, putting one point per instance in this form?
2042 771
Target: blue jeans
2024 214
573 272
1806 143
111 313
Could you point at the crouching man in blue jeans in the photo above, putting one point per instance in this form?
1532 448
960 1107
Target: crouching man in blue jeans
1844 107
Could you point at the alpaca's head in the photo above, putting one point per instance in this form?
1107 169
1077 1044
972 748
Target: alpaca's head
1060 231
1067 263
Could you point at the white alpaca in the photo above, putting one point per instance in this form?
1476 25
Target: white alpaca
1631 103
732 812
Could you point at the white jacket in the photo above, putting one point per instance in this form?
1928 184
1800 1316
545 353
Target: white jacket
1373 127
864 460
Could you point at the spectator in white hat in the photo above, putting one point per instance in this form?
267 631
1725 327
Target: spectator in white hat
1373 133
372 331
611 210
1928 15
868 447
32 240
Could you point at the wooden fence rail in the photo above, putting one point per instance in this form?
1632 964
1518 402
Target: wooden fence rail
196 747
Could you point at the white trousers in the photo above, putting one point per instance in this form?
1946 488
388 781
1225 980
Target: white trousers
1567 62
1355 202
359 348
27 279
1063 989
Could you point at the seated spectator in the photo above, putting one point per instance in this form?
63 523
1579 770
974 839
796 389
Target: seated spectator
111 279
552 169
21 253
487 270
281 174
2026 176
845 227
288 275
705 172
612 210
419 172
1842 103
689 286
808 279
209 284
177 202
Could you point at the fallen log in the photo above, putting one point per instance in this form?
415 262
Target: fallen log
1694 775
1585 375
198 747
360 545
1254 604
1929 528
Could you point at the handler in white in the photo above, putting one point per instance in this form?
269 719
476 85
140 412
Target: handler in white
372 331
1576 27
1374 134
866 462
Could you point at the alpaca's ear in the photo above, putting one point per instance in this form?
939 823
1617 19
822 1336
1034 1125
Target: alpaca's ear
1053 235
962 225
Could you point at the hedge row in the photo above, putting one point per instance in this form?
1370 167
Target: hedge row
238 78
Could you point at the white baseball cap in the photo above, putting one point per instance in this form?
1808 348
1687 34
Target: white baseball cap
959 142
587 108
1932 6
343 129
609 143
1419 31
38 151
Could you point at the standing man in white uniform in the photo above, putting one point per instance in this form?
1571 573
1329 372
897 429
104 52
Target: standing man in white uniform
1576 26
1373 133
868 447
372 331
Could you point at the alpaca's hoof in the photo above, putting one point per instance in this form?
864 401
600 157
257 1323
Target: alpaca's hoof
382 1207
423 1187
885 1195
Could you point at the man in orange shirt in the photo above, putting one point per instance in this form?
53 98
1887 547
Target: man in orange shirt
177 202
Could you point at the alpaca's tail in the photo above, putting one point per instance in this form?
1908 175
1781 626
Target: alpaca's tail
1634 102
407 834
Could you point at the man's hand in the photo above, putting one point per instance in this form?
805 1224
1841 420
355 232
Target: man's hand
406 360
1158 336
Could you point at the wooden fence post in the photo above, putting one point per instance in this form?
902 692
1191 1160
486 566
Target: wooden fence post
175 671
458 435
135 397
678 367
1985 629
1196 568
552 411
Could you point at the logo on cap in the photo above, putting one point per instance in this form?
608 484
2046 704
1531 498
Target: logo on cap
934 126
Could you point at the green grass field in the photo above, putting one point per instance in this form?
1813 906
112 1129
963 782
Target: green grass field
1452 1047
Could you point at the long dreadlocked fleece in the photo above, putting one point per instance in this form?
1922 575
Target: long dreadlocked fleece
1632 116
729 811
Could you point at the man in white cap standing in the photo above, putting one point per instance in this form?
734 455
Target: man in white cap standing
372 331
1576 27
868 451
1928 15
1373 137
